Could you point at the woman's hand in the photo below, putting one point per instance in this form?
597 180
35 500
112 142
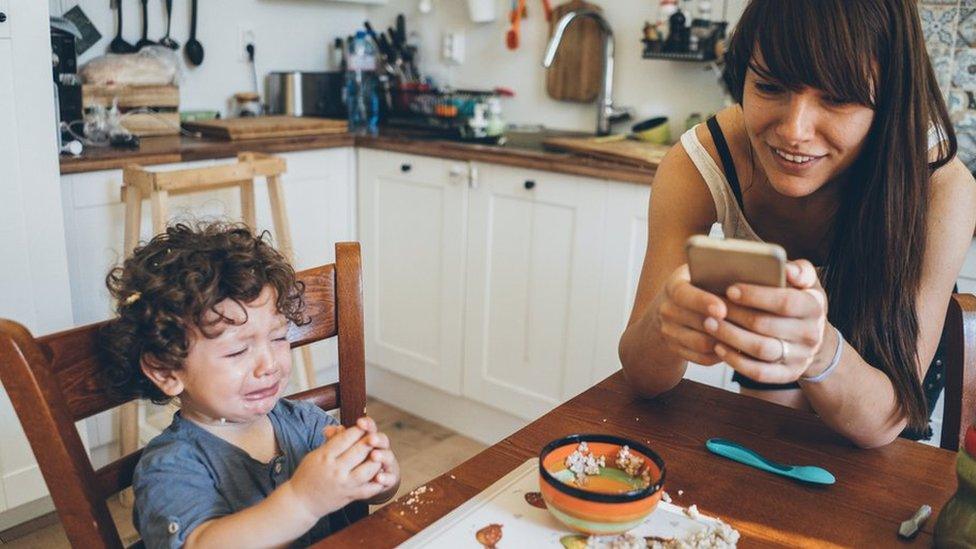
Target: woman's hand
681 310
774 335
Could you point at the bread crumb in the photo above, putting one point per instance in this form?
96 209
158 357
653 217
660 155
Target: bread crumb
664 496
680 492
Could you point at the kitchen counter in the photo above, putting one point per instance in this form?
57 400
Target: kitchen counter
523 150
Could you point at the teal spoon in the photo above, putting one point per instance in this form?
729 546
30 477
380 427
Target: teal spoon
737 452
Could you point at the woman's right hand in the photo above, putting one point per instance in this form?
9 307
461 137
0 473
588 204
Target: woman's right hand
336 473
681 310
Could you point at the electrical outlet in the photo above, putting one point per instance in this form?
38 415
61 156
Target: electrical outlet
452 47
245 36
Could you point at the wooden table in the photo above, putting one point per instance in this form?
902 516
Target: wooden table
875 489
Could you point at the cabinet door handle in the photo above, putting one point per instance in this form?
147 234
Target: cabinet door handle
456 174
405 168
529 185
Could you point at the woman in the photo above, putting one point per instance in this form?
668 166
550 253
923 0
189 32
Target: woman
840 149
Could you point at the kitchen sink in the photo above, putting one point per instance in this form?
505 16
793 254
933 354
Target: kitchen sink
532 137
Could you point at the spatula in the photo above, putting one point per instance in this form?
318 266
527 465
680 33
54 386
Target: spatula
737 452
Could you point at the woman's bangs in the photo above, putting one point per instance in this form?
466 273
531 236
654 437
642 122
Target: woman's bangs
806 44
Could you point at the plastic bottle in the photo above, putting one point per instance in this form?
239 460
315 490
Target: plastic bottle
362 95
496 124
667 9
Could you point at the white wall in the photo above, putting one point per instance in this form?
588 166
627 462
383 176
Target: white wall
290 35
34 286
295 34
654 87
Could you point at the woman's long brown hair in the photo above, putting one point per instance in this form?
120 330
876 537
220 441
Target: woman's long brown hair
870 52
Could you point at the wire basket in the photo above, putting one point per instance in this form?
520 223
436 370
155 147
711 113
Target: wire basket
444 112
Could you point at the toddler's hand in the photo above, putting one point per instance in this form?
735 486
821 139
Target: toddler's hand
336 473
389 474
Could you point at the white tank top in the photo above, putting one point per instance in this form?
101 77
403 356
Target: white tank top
730 218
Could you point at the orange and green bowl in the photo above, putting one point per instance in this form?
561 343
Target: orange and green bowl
596 509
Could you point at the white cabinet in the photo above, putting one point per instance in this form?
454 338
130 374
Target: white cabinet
508 286
623 256
625 244
533 287
412 229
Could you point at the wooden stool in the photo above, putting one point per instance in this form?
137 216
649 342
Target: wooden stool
140 184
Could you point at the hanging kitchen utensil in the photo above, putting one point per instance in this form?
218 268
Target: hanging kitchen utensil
119 45
145 41
193 48
512 37
166 40
577 72
401 29
547 6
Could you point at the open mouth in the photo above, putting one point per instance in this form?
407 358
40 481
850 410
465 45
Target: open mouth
263 393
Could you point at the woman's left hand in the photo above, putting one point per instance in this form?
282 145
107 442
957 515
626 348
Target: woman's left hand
774 335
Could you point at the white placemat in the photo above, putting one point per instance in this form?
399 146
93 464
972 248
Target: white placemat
526 526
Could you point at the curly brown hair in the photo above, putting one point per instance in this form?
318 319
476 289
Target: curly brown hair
174 283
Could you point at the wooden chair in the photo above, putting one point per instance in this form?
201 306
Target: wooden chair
53 381
960 370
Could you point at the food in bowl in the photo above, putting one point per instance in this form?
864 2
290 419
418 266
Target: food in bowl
600 484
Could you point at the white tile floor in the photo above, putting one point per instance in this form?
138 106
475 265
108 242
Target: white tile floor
425 450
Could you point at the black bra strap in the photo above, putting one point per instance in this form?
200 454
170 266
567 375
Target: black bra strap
723 152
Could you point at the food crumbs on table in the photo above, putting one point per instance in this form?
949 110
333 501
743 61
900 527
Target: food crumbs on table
490 535
666 497
692 512
453 477
618 541
604 420
680 492
535 499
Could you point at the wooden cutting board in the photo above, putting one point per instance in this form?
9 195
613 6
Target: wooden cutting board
577 72
627 151
258 127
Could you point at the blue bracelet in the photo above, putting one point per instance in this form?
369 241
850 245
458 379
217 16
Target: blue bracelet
833 362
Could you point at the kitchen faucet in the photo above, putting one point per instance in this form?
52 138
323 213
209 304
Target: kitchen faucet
606 112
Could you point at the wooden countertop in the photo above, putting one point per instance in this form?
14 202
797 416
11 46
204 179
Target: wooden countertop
171 149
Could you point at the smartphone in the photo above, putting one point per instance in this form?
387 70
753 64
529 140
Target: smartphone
715 263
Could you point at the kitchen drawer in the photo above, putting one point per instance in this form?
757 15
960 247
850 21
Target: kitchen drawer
411 168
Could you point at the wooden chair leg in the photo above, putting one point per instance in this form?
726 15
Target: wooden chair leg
129 412
248 209
279 218
160 210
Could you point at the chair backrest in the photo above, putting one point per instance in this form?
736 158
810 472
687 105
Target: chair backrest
960 370
53 381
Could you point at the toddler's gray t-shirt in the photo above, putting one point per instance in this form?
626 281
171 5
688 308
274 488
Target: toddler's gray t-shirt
187 476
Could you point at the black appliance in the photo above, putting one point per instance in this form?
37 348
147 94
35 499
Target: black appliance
64 63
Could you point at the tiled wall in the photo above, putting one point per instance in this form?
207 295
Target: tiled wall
950 34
